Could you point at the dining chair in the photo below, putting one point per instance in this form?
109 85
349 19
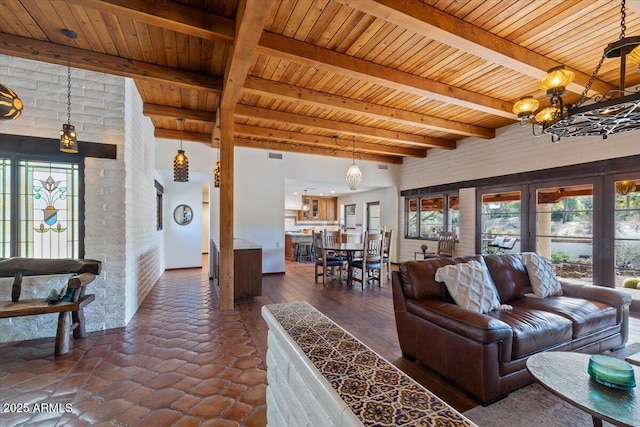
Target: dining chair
386 250
446 245
371 260
323 261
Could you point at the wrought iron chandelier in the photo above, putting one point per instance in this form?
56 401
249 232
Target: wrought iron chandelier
603 114
181 162
68 137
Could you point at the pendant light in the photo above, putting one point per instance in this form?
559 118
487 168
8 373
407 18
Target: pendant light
180 162
305 202
10 104
354 176
68 138
216 137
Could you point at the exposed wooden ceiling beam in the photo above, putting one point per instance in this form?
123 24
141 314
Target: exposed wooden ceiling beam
314 56
278 90
313 150
249 112
444 28
249 27
109 64
325 141
199 116
180 135
170 15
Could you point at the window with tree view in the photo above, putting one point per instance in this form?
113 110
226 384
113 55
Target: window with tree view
501 219
426 217
627 236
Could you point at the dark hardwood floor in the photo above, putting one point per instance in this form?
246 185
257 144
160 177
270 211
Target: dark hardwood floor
367 314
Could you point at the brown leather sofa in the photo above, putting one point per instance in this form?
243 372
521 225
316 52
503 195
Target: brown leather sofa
486 354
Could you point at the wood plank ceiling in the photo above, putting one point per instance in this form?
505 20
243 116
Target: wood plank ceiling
394 78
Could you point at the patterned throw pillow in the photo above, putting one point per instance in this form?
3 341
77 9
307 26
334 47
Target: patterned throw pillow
541 275
469 286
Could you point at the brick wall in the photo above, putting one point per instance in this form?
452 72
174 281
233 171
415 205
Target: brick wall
111 186
513 150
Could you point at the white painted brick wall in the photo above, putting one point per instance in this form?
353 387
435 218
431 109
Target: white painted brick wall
513 150
115 190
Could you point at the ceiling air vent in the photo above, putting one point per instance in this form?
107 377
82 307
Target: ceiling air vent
383 167
275 156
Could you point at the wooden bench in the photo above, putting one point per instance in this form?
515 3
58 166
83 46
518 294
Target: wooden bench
70 309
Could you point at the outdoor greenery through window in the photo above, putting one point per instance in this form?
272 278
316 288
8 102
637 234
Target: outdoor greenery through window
627 236
426 217
40 209
500 219
564 229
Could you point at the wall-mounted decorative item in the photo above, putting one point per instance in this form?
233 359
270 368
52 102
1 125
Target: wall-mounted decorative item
10 104
68 137
183 214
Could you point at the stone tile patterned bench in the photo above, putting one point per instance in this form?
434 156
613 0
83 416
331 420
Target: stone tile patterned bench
319 374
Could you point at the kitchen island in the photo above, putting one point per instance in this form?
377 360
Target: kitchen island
291 242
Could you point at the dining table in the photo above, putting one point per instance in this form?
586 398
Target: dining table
349 250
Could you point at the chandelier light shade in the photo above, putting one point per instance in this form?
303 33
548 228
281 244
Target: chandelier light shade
602 114
10 104
181 162
625 187
68 137
526 107
556 81
354 175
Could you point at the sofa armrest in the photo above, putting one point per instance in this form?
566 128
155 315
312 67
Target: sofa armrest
478 327
613 297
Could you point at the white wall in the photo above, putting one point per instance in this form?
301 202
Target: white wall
114 189
513 150
183 242
389 199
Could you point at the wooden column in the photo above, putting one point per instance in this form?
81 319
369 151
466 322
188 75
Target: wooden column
226 278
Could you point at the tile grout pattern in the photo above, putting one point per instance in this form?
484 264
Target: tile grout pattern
179 362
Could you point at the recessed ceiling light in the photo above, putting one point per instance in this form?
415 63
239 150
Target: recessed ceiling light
295 193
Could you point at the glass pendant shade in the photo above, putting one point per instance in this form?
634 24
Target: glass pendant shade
546 114
526 107
216 175
354 176
181 167
10 104
625 187
68 139
556 80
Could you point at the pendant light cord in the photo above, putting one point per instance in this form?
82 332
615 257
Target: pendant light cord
69 81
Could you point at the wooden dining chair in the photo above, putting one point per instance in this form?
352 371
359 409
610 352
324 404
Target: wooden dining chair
324 261
386 250
371 260
446 245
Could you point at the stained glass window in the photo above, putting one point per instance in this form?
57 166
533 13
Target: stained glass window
40 209
5 208
49 210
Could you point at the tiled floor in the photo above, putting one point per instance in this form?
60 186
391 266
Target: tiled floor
179 362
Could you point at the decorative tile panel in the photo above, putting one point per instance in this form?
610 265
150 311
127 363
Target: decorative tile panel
377 393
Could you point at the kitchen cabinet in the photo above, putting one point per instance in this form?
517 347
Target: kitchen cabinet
320 209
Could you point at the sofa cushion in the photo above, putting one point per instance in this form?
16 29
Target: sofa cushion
534 330
541 275
469 286
509 276
586 316
418 279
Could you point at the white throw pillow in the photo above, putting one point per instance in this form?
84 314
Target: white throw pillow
470 286
541 275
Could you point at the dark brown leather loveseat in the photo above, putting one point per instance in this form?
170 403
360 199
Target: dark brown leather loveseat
486 354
